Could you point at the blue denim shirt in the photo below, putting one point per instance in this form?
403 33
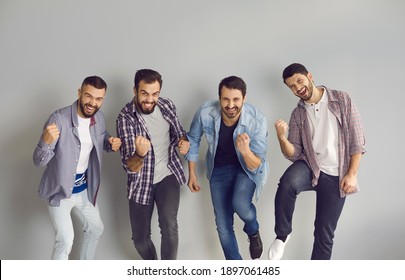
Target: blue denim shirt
207 120
61 157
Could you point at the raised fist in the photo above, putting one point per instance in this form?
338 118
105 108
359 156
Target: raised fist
184 146
115 143
242 143
142 145
50 134
281 128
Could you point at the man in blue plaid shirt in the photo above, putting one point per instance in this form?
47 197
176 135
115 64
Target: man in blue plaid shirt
150 132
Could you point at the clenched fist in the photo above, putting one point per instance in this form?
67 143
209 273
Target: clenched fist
242 143
184 146
115 143
50 134
281 128
142 145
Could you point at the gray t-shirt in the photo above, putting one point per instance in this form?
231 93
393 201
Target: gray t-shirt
159 130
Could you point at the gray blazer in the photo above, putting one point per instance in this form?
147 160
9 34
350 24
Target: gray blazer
61 157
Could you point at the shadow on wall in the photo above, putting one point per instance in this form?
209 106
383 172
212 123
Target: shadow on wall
26 213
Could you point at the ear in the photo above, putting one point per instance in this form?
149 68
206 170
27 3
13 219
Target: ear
310 76
78 93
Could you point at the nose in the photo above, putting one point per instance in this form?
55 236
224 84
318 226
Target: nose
149 98
297 89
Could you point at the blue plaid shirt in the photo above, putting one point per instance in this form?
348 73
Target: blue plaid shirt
130 124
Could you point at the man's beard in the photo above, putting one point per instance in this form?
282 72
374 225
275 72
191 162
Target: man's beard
310 91
145 111
83 110
232 115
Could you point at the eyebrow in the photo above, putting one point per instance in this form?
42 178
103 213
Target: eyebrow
144 91
236 97
102 97
295 82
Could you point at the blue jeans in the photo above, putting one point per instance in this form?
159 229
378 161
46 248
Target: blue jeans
329 206
232 192
166 195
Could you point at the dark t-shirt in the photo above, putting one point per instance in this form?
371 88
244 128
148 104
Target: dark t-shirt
226 153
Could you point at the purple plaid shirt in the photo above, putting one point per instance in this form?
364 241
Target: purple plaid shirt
131 124
350 129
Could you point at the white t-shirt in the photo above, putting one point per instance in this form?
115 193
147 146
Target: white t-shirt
324 132
86 145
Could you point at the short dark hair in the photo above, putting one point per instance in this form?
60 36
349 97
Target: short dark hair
293 69
148 76
95 81
232 82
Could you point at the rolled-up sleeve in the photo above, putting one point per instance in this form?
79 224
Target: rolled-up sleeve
194 137
258 145
356 132
294 135
126 132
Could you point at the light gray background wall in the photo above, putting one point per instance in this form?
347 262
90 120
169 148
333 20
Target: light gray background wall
48 47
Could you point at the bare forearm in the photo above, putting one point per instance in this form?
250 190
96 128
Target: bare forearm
354 164
349 181
191 167
251 160
135 163
286 147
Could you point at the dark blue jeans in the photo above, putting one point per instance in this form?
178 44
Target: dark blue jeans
232 192
329 205
166 195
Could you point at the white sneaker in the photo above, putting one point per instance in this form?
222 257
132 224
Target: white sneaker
276 250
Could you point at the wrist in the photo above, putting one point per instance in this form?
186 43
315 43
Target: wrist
139 156
282 138
351 173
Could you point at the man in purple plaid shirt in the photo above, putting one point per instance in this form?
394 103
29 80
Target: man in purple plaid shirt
325 143
150 132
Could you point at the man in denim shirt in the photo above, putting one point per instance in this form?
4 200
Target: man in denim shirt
236 133
325 143
71 147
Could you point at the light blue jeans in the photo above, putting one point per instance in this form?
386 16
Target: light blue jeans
92 226
232 192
